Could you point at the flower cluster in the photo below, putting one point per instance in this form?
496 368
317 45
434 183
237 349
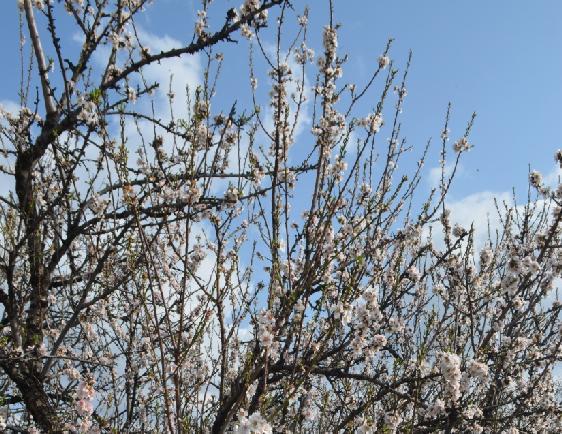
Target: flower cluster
251 7
373 123
367 320
232 194
255 424
436 409
535 178
450 367
85 394
384 61
304 54
266 333
478 370
330 39
201 140
201 24
88 112
461 145
97 205
342 312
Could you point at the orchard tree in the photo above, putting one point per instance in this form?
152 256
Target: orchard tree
254 262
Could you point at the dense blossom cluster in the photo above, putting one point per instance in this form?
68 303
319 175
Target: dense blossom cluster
373 123
254 424
450 367
266 333
461 145
87 111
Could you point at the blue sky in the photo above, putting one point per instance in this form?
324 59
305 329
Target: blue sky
502 59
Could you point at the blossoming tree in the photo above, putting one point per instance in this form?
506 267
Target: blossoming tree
220 270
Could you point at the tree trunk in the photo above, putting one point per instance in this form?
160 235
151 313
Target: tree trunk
36 400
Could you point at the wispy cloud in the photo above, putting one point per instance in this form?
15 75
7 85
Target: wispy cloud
481 210
434 176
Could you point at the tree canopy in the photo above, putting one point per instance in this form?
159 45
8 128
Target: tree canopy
173 259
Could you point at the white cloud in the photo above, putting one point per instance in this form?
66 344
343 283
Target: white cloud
9 106
176 73
434 177
478 209
553 178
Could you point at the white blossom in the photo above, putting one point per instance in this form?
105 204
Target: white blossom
461 145
449 364
384 61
